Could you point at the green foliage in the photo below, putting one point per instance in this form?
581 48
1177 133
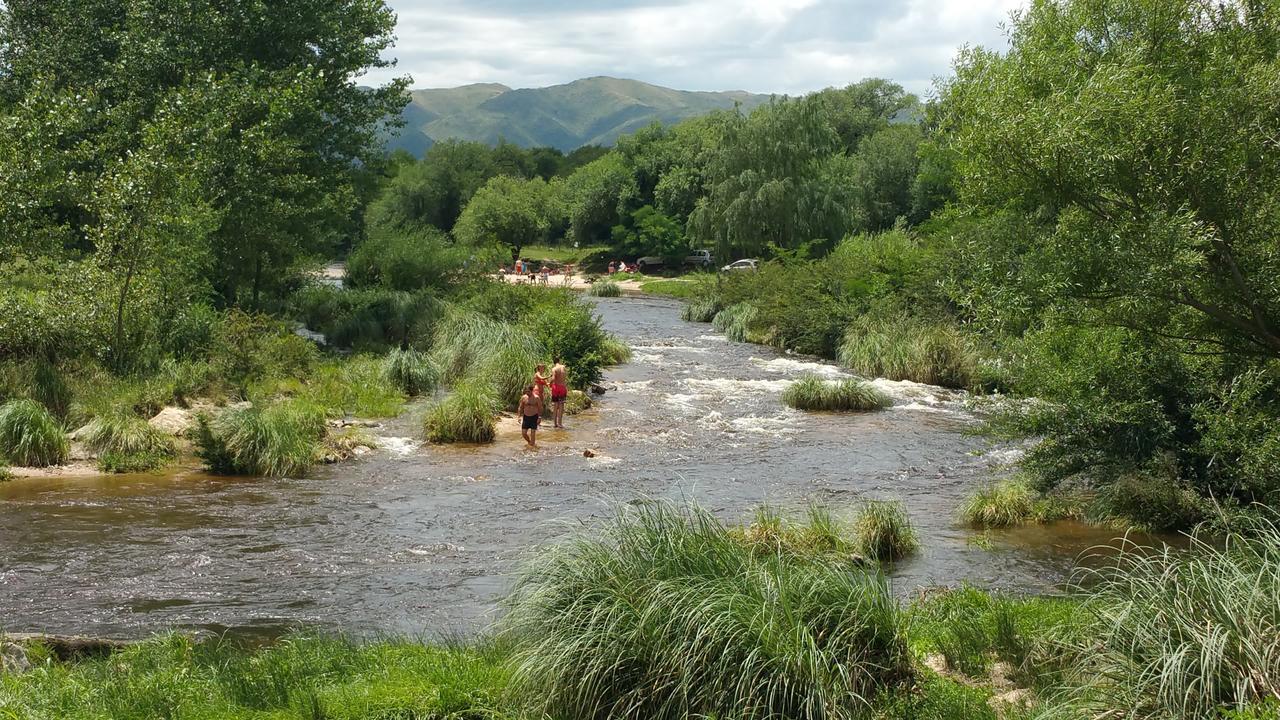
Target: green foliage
595 196
432 193
371 319
1173 634
1001 504
735 322
604 288
509 212
412 372
50 389
650 232
248 349
816 394
413 261
934 354
820 535
127 443
615 352
883 531
937 698
701 309
278 440
298 676
682 289
30 436
466 415
668 615
356 386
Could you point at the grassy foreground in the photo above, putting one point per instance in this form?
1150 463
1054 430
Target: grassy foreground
671 614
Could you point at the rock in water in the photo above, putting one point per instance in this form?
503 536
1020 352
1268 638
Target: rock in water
588 453
13 659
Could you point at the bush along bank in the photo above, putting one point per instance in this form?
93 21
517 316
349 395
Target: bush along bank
668 613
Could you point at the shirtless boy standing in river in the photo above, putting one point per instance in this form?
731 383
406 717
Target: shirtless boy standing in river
559 391
530 416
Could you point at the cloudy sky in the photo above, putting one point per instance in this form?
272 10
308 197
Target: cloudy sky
783 46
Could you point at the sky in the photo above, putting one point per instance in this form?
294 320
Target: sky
765 46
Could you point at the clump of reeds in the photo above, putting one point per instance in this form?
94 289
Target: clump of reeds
604 288
700 309
466 415
411 371
735 321
669 615
821 534
930 353
883 531
1175 633
852 395
277 440
30 435
1001 504
615 352
127 443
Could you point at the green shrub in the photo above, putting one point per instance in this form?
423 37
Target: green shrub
50 389
936 698
821 535
127 443
412 372
605 289
508 371
466 415
277 440
248 349
813 393
904 349
1179 634
1151 498
410 261
735 321
5 473
356 386
1002 504
883 531
670 616
700 309
30 436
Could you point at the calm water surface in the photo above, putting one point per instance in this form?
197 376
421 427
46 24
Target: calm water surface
423 540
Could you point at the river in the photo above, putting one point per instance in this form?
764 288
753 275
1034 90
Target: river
423 540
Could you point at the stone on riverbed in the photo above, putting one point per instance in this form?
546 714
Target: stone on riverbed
13 659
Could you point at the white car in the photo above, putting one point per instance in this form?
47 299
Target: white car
740 265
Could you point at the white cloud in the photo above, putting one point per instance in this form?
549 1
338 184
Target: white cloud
784 46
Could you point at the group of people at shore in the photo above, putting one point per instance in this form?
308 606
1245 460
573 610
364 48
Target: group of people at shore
533 401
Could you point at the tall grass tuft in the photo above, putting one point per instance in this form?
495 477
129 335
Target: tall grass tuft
884 531
605 289
1180 634
822 534
412 372
278 440
813 393
668 615
1002 504
508 371
30 435
466 341
701 309
934 354
615 351
735 321
127 443
466 415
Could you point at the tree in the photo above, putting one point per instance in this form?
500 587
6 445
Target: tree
434 191
1143 132
649 232
886 167
509 211
596 195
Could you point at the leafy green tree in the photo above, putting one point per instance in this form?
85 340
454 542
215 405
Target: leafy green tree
509 211
434 191
596 195
858 111
1144 132
650 232
887 166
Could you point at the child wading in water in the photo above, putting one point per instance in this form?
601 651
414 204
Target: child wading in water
530 416
540 381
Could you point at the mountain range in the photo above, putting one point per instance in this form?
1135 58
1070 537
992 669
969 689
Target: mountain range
591 111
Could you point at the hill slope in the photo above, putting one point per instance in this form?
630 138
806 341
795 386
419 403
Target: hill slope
592 111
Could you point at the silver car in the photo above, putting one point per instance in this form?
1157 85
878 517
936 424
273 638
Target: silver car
740 265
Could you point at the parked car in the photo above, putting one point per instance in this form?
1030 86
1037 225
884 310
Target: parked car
698 258
740 265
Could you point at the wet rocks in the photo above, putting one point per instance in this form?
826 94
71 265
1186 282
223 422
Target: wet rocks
65 647
588 453
354 423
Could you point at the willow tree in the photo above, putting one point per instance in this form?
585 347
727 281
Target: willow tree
1146 135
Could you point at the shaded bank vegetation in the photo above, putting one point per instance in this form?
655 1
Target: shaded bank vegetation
666 612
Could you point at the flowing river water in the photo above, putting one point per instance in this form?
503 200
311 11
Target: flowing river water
424 540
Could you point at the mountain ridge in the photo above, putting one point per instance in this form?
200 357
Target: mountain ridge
589 111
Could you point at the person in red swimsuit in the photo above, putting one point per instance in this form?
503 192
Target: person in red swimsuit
559 391
540 381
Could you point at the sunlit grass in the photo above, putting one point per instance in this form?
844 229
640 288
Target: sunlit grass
1000 504
852 395
605 289
127 443
934 354
466 415
669 615
883 531
735 321
700 309
411 371
30 435
280 439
